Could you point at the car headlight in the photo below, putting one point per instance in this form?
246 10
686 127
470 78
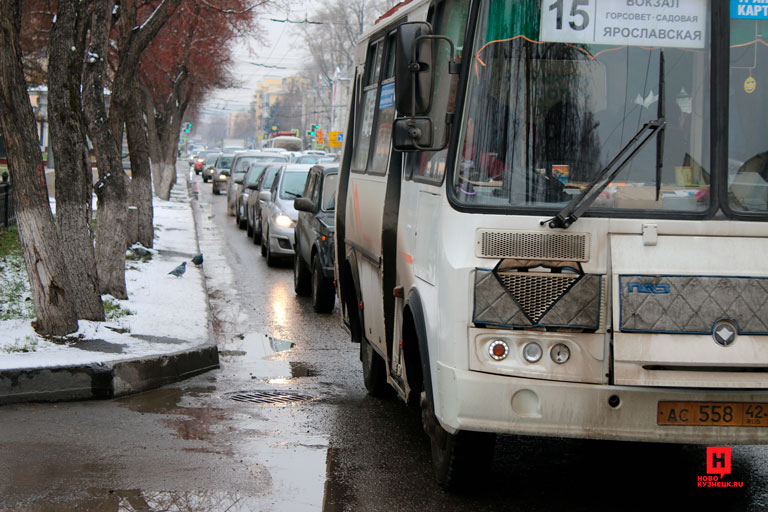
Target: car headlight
222 177
283 220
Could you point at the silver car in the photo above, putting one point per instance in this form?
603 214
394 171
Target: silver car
240 165
278 216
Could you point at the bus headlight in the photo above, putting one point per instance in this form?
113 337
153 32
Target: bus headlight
532 352
498 350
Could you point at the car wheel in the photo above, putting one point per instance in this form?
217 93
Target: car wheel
323 293
248 227
241 221
257 232
301 277
256 236
215 191
271 259
264 243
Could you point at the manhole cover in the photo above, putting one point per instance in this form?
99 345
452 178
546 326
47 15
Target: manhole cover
269 397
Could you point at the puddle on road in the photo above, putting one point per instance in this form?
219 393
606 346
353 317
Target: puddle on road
137 500
99 346
175 254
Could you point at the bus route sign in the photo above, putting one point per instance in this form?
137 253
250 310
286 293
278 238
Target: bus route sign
665 23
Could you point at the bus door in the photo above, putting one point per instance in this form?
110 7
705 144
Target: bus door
368 184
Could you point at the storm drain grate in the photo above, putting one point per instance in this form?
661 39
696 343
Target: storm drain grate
269 397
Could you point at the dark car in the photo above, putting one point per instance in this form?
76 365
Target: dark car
221 170
250 187
209 166
314 258
254 203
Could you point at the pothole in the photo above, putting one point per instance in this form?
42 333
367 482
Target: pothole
269 397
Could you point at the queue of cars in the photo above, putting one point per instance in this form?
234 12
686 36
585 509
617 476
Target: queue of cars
286 202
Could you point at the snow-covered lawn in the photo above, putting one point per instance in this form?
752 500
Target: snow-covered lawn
163 313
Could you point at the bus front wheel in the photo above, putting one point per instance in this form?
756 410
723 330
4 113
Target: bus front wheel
460 459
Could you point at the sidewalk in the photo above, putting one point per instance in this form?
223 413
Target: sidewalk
161 334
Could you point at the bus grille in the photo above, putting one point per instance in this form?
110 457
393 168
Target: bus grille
538 299
533 245
534 293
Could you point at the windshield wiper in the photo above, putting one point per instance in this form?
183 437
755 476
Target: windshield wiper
578 204
294 194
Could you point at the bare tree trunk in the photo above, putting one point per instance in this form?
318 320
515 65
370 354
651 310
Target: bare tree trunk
73 164
46 266
163 125
141 174
112 187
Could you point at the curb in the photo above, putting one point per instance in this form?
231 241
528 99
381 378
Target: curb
117 378
104 380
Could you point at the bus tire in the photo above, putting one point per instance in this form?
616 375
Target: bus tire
462 459
374 372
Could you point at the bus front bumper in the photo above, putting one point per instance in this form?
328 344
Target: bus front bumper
469 400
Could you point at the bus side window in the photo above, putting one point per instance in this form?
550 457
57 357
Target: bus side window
367 106
385 114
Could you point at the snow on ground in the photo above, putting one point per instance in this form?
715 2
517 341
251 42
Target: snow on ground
163 314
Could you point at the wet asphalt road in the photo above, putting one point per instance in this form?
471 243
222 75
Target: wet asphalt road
190 446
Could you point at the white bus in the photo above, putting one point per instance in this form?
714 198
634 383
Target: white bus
552 220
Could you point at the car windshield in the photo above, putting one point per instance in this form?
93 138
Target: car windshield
253 174
329 192
269 177
224 162
244 161
567 105
293 184
308 159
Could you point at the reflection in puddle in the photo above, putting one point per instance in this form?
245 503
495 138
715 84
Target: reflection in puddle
137 500
280 297
280 345
302 370
158 401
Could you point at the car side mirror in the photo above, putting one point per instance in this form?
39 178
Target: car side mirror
304 204
265 195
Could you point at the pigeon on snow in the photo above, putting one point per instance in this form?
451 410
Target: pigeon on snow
198 260
179 271
140 252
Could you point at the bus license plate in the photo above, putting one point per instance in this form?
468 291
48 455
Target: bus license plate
716 414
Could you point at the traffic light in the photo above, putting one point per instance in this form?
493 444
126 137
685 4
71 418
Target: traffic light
188 128
313 130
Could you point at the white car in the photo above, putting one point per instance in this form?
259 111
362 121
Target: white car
278 216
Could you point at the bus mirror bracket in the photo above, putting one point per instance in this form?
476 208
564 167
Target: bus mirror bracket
412 134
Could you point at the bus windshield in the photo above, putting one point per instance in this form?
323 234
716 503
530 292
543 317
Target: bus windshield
547 111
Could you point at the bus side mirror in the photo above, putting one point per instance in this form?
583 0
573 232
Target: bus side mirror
413 69
412 134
